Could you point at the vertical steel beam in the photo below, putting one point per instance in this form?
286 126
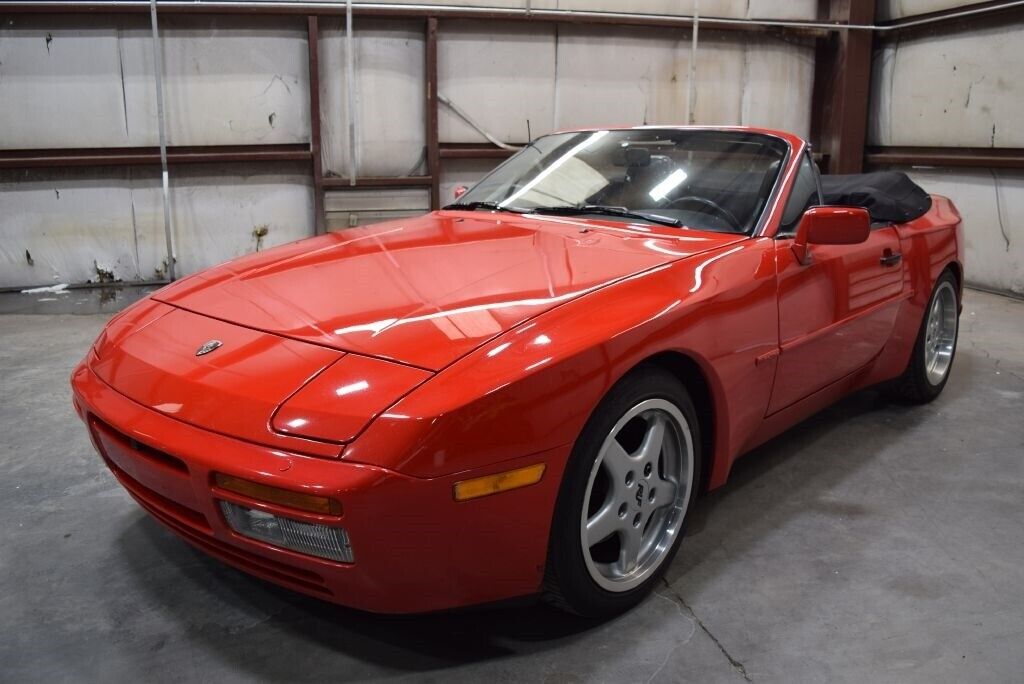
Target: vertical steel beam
433 146
819 83
161 122
842 85
691 82
351 111
319 217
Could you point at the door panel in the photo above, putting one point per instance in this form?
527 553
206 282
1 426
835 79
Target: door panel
835 313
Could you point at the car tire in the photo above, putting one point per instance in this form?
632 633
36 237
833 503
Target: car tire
935 348
612 482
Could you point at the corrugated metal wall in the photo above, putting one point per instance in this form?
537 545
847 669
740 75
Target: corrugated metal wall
897 9
959 89
87 81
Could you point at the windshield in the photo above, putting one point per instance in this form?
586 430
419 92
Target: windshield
706 179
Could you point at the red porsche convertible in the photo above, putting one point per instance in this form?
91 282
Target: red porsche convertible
524 392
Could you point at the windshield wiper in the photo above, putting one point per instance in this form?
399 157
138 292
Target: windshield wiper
605 210
493 206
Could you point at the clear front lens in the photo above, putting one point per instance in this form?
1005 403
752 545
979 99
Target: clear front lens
312 539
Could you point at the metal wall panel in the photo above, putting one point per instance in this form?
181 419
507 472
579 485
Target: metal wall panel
501 74
229 80
897 9
738 9
349 208
389 68
87 81
791 9
224 211
611 76
79 225
67 226
459 3
721 71
615 76
992 206
777 85
773 9
506 75
961 89
61 82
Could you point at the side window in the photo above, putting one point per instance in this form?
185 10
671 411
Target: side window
803 196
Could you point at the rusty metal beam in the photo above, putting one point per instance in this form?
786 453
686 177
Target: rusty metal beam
433 146
819 84
966 157
972 15
340 183
962 16
319 214
146 156
401 11
475 151
842 84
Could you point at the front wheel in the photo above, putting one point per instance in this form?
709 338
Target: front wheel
932 358
628 487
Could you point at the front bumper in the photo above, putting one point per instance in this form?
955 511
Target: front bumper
416 548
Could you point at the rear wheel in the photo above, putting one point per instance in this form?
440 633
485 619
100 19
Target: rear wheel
627 490
932 358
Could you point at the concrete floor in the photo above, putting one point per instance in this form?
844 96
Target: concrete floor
872 543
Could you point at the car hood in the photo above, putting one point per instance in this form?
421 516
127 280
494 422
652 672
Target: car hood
428 290
245 383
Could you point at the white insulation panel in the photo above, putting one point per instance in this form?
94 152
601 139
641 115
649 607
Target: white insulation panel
515 79
87 81
389 97
959 89
992 206
75 225
761 9
349 208
898 9
501 75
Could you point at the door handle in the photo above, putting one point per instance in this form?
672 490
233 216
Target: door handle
890 258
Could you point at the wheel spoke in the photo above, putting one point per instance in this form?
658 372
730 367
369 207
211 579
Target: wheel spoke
604 523
664 493
629 552
618 463
940 334
653 440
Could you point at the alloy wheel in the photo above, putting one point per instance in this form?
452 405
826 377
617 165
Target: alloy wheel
940 334
637 495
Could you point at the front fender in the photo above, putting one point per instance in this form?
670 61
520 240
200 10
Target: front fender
533 388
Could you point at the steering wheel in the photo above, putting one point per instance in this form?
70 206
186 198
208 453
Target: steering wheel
710 204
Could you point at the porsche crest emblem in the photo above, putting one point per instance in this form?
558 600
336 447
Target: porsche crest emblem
208 347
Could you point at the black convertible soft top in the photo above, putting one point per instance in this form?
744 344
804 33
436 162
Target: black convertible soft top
889 196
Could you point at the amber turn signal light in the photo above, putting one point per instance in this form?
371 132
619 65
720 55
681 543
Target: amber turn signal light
283 497
501 482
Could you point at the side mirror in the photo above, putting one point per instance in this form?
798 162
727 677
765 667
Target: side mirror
460 191
830 226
